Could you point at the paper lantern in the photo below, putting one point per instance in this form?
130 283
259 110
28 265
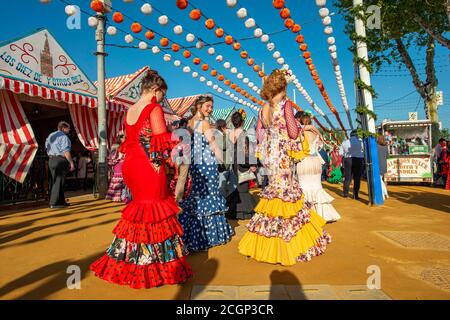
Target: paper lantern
117 17
261 74
45 1
202 79
71 10
194 74
278 4
219 32
246 80
92 22
210 24
258 32
328 30
215 87
250 61
333 55
128 38
236 46
271 46
167 57
136 27
163 20
221 77
250 23
307 55
220 90
195 14
244 54
96 5
332 48
303 47
211 51
321 3
205 67
311 67
233 70
331 40
265 38
296 28
309 61
175 47
178 29
289 23
164 42
326 21
227 65
187 54
280 60
227 82
300 38
182 4
156 50
286 67
219 58
231 3
228 39
112 31
285 13
209 83
150 35
190 37
242 13
186 69
256 68
128 1
143 45
196 61
147 9
177 63
227 92
238 90
200 45
240 76
324 12
276 54
233 86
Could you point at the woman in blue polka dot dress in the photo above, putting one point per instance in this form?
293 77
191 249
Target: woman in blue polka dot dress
203 217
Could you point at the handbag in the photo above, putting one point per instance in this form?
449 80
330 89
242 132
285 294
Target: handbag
245 176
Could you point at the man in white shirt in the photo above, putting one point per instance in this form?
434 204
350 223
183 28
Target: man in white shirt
352 151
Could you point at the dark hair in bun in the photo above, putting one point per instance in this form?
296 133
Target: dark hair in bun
152 79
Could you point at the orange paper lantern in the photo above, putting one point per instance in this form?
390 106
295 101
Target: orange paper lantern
150 35
256 68
233 86
285 13
289 23
236 46
164 42
307 55
196 61
182 4
244 54
214 73
238 89
311 67
296 28
300 38
205 67
117 17
303 47
228 40
97 6
261 74
278 4
227 82
210 24
309 61
187 54
175 47
195 14
221 77
250 61
136 27
219 32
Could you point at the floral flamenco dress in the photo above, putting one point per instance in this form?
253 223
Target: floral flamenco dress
203 217
284 229
147 250
116 185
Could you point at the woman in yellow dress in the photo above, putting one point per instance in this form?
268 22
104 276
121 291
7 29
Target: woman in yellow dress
284 229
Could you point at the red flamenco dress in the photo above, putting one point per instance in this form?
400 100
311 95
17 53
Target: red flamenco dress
147 250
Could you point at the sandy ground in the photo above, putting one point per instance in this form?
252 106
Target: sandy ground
37 245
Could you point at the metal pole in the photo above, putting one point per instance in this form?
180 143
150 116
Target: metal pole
368 123
102 169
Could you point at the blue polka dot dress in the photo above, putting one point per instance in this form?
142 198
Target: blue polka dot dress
203 216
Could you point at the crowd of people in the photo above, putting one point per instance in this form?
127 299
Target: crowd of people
441 159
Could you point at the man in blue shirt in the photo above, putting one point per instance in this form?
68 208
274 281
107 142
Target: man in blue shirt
60 160
352 151
324 154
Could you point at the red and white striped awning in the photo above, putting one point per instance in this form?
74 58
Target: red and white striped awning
18 145
117 84
181 105
34 90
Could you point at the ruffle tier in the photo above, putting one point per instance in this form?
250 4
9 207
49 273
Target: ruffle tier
204 232
204 206
145 276
152 211
279 208
321 202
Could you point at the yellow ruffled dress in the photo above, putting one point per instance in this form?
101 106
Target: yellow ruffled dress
284 228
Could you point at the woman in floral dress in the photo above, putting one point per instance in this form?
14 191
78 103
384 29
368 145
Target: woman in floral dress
284 229
116 186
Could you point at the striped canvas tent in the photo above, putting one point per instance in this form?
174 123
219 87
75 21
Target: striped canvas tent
182 105
223 113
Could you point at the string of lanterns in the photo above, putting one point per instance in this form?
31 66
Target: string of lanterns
324 13
289 23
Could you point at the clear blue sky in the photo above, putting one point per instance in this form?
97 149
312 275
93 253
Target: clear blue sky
80 44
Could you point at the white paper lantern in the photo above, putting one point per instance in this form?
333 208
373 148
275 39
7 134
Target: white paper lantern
190 37
92 22
211 51
209 83
251 84
276 54
295 81
219 58
227 65
202 79
285 67
143 45
177 63
112 31
129 38
240 76
337 68
250 23
227 92
258 32
163 20
265 38
259 91
331 40
241 101
326 21
280 60
246 80
233 70
271 46
232 95
328 30
242 13
70 10
321 3
167 57
255 89
147 9
156 50
215 87
231 3
200 45
194 74
324 12
333 55
332 49
220 90
178 29
236 99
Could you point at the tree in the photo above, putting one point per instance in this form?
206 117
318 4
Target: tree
445 133
405 24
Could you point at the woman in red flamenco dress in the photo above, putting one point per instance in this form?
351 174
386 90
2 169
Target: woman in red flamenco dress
147 250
